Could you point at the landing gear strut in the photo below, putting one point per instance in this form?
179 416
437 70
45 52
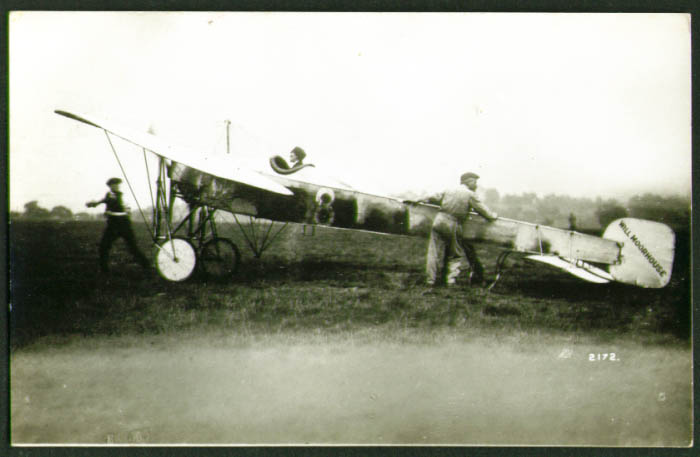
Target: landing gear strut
500 268
177 257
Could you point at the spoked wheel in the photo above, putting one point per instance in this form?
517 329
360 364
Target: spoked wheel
219 258
175 259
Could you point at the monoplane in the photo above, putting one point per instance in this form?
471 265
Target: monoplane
631 251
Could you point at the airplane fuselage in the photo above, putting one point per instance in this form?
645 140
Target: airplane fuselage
347 208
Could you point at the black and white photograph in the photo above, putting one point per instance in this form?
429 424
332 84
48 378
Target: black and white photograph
349 228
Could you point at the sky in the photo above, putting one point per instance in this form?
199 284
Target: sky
586 105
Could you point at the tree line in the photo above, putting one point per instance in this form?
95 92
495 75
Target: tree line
561 211
589 214
33 211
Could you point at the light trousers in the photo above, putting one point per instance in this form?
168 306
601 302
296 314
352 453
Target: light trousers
445 247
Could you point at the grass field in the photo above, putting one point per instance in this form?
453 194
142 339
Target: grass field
331 338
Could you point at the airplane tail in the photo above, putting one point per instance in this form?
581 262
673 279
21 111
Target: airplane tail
647 252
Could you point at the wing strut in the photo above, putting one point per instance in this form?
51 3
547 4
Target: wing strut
148 177
133 194
126 178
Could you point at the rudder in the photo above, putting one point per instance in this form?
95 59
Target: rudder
647 252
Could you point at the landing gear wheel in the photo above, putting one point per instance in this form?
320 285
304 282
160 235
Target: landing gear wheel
219 258
175 259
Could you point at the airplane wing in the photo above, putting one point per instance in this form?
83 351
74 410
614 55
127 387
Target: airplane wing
579 269
221 167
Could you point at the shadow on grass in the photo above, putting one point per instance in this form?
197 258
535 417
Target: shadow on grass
491 310
612 305
341 274
56 290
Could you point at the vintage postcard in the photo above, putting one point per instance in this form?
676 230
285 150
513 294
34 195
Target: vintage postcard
419 229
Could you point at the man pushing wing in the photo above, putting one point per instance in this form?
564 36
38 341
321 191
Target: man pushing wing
446 234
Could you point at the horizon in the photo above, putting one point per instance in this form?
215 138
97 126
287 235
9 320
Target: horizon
407 195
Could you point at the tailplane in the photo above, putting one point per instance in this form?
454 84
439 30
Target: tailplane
578 268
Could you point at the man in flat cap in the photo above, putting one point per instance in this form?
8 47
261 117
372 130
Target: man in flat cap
118 226
296 157
446 233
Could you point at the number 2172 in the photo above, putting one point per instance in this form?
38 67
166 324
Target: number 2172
594 357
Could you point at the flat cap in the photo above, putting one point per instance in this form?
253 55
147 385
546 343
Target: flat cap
299 152
468 175
111 181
